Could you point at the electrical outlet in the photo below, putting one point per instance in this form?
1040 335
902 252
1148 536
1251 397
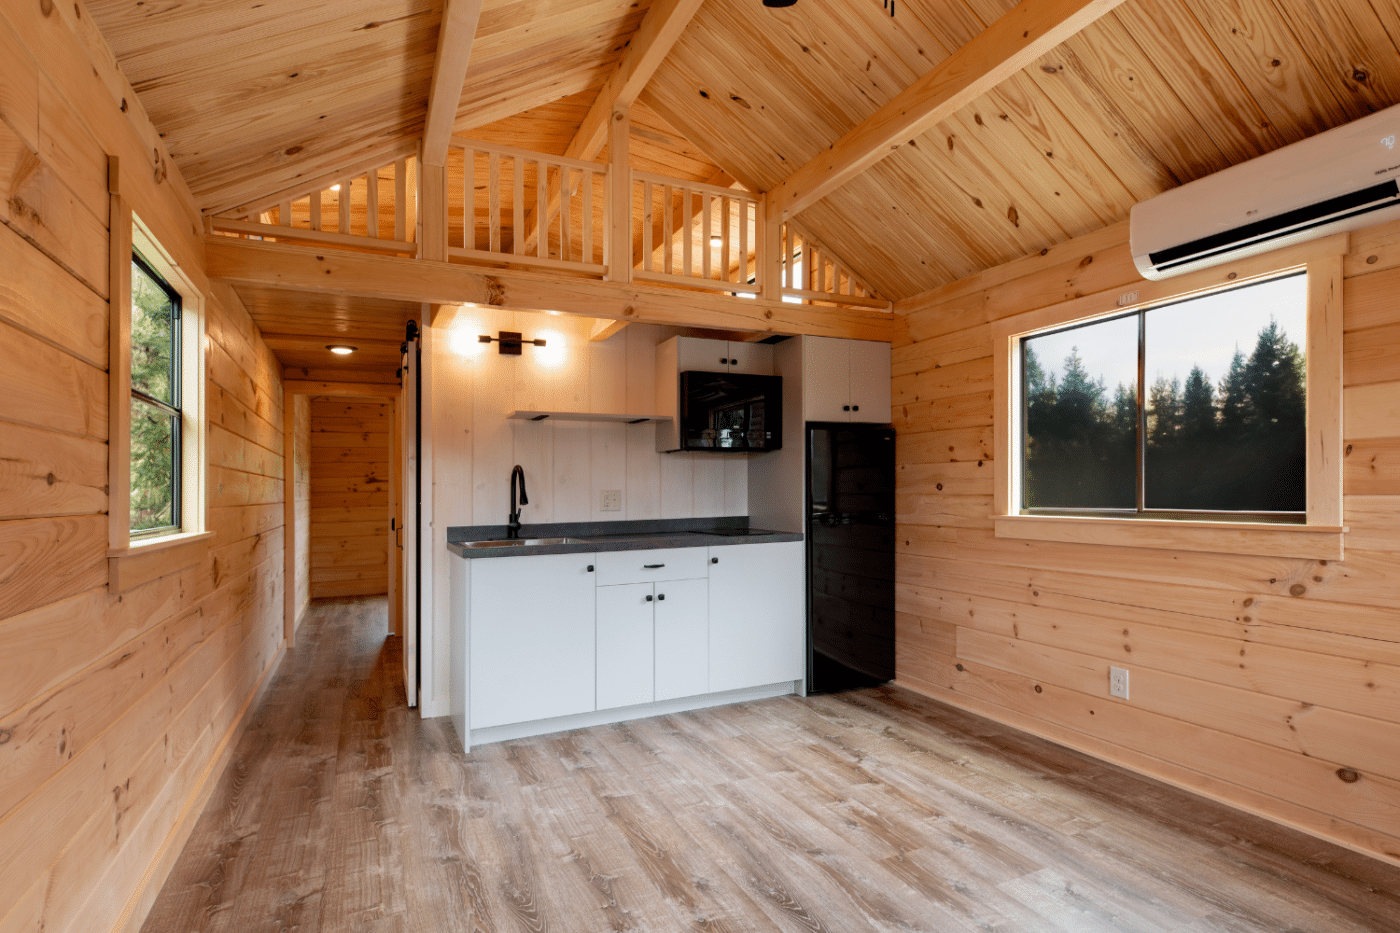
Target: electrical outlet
612 501
1118 682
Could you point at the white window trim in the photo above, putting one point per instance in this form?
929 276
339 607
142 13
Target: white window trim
128 232
1321 537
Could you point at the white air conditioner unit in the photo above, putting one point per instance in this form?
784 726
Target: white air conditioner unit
1343 179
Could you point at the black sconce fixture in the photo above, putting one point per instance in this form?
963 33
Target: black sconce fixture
509 341
889 4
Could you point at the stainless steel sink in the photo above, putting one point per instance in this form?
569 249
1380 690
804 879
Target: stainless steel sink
519 542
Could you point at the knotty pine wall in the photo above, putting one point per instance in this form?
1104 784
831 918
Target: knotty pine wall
349 496
1270 684
116 711
301 502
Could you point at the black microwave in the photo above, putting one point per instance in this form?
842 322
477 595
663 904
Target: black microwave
731 412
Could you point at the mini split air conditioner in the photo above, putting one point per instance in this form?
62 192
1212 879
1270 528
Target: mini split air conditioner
1343 179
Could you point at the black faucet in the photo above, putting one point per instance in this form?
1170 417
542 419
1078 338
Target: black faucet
513 526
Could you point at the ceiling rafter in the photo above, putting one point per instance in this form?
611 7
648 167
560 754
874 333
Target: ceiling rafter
454 51
1026 32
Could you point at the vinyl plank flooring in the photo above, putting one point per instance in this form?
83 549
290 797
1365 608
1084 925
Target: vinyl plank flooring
342 811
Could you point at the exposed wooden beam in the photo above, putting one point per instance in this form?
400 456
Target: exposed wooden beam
454 52
605 328
279 265
660 28
1029 30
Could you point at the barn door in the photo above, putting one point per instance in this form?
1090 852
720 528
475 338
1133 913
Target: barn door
412 517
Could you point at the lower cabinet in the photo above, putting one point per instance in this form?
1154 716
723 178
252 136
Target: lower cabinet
682 639
758 626
653 642
532 636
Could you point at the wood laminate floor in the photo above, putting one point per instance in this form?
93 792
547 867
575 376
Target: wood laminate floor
876 810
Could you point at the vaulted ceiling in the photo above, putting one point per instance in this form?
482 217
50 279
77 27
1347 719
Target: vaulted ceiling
253 97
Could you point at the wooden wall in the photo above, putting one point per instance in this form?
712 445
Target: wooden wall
301 502
350 496
116 712
1270 684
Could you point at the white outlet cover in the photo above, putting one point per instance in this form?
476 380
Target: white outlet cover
1118 682
611 500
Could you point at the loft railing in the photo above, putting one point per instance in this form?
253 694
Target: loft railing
515 207
495 196
374 208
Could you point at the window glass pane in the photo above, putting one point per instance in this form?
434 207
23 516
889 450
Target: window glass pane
153 331
1080 434
154 441
1226 412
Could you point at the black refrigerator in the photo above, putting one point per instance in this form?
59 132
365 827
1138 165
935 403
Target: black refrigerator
850 555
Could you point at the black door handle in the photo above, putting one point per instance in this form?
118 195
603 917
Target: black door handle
653 566
648 597
661 596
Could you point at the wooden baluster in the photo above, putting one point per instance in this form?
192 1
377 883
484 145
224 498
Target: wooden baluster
789 250
284 214
587 218
517 226
724 232
646 226
541 209
468 198
707 223
808 252
315 210
743 240
372 203
343 200
667 212
400 198
493 200
688 219
566 223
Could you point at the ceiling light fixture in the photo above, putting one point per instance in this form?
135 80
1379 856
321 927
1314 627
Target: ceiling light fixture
778 3
340 349
510 342
716 241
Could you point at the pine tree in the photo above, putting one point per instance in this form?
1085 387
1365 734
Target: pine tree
1198 406
1234 398
1274 380
1164 413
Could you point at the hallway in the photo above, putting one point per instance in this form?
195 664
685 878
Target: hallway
877 810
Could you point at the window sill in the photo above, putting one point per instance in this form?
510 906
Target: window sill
129 567
1258 539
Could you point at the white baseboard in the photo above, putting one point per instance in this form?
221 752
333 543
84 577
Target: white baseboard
603 717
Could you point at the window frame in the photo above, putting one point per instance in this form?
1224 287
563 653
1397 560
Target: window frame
1320 536
132 238
174 409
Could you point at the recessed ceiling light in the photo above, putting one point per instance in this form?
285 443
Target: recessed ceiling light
340 349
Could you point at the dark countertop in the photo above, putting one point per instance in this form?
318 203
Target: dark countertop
591 537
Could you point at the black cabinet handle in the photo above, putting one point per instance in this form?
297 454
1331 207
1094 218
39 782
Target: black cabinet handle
661 596
855 408
723 360
590 568
845 408
648 597
714 560
653 566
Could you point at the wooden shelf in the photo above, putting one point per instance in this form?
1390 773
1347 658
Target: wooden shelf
584 416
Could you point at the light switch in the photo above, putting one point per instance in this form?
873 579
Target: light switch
612 501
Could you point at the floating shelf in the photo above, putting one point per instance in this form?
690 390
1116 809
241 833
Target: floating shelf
584 416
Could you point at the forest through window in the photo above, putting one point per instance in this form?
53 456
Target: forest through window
1221 425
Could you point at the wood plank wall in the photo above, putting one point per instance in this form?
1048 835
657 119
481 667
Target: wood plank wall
1270 684
349 496
301 501
115 711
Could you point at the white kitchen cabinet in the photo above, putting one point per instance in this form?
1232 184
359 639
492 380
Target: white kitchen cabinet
682 637
532 638
845 380
625 645
723 356
758 628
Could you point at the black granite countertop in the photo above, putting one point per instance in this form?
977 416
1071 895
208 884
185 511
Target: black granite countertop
589 537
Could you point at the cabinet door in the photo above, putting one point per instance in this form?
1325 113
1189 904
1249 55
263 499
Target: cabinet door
758 631
682 639
826 379
696 354
870 381
625 647
753 358
532 638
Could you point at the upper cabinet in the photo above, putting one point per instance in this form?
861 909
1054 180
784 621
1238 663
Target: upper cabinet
845 380
695 354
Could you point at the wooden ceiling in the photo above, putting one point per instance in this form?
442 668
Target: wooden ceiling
252 97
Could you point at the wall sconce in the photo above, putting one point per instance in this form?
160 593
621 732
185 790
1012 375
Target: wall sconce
509 341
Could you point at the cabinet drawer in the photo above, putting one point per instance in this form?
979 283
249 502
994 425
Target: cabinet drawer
681 563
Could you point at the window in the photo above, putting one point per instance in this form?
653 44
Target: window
156 420
1197 413
1190 407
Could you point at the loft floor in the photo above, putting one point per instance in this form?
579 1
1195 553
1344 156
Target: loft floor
875 810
